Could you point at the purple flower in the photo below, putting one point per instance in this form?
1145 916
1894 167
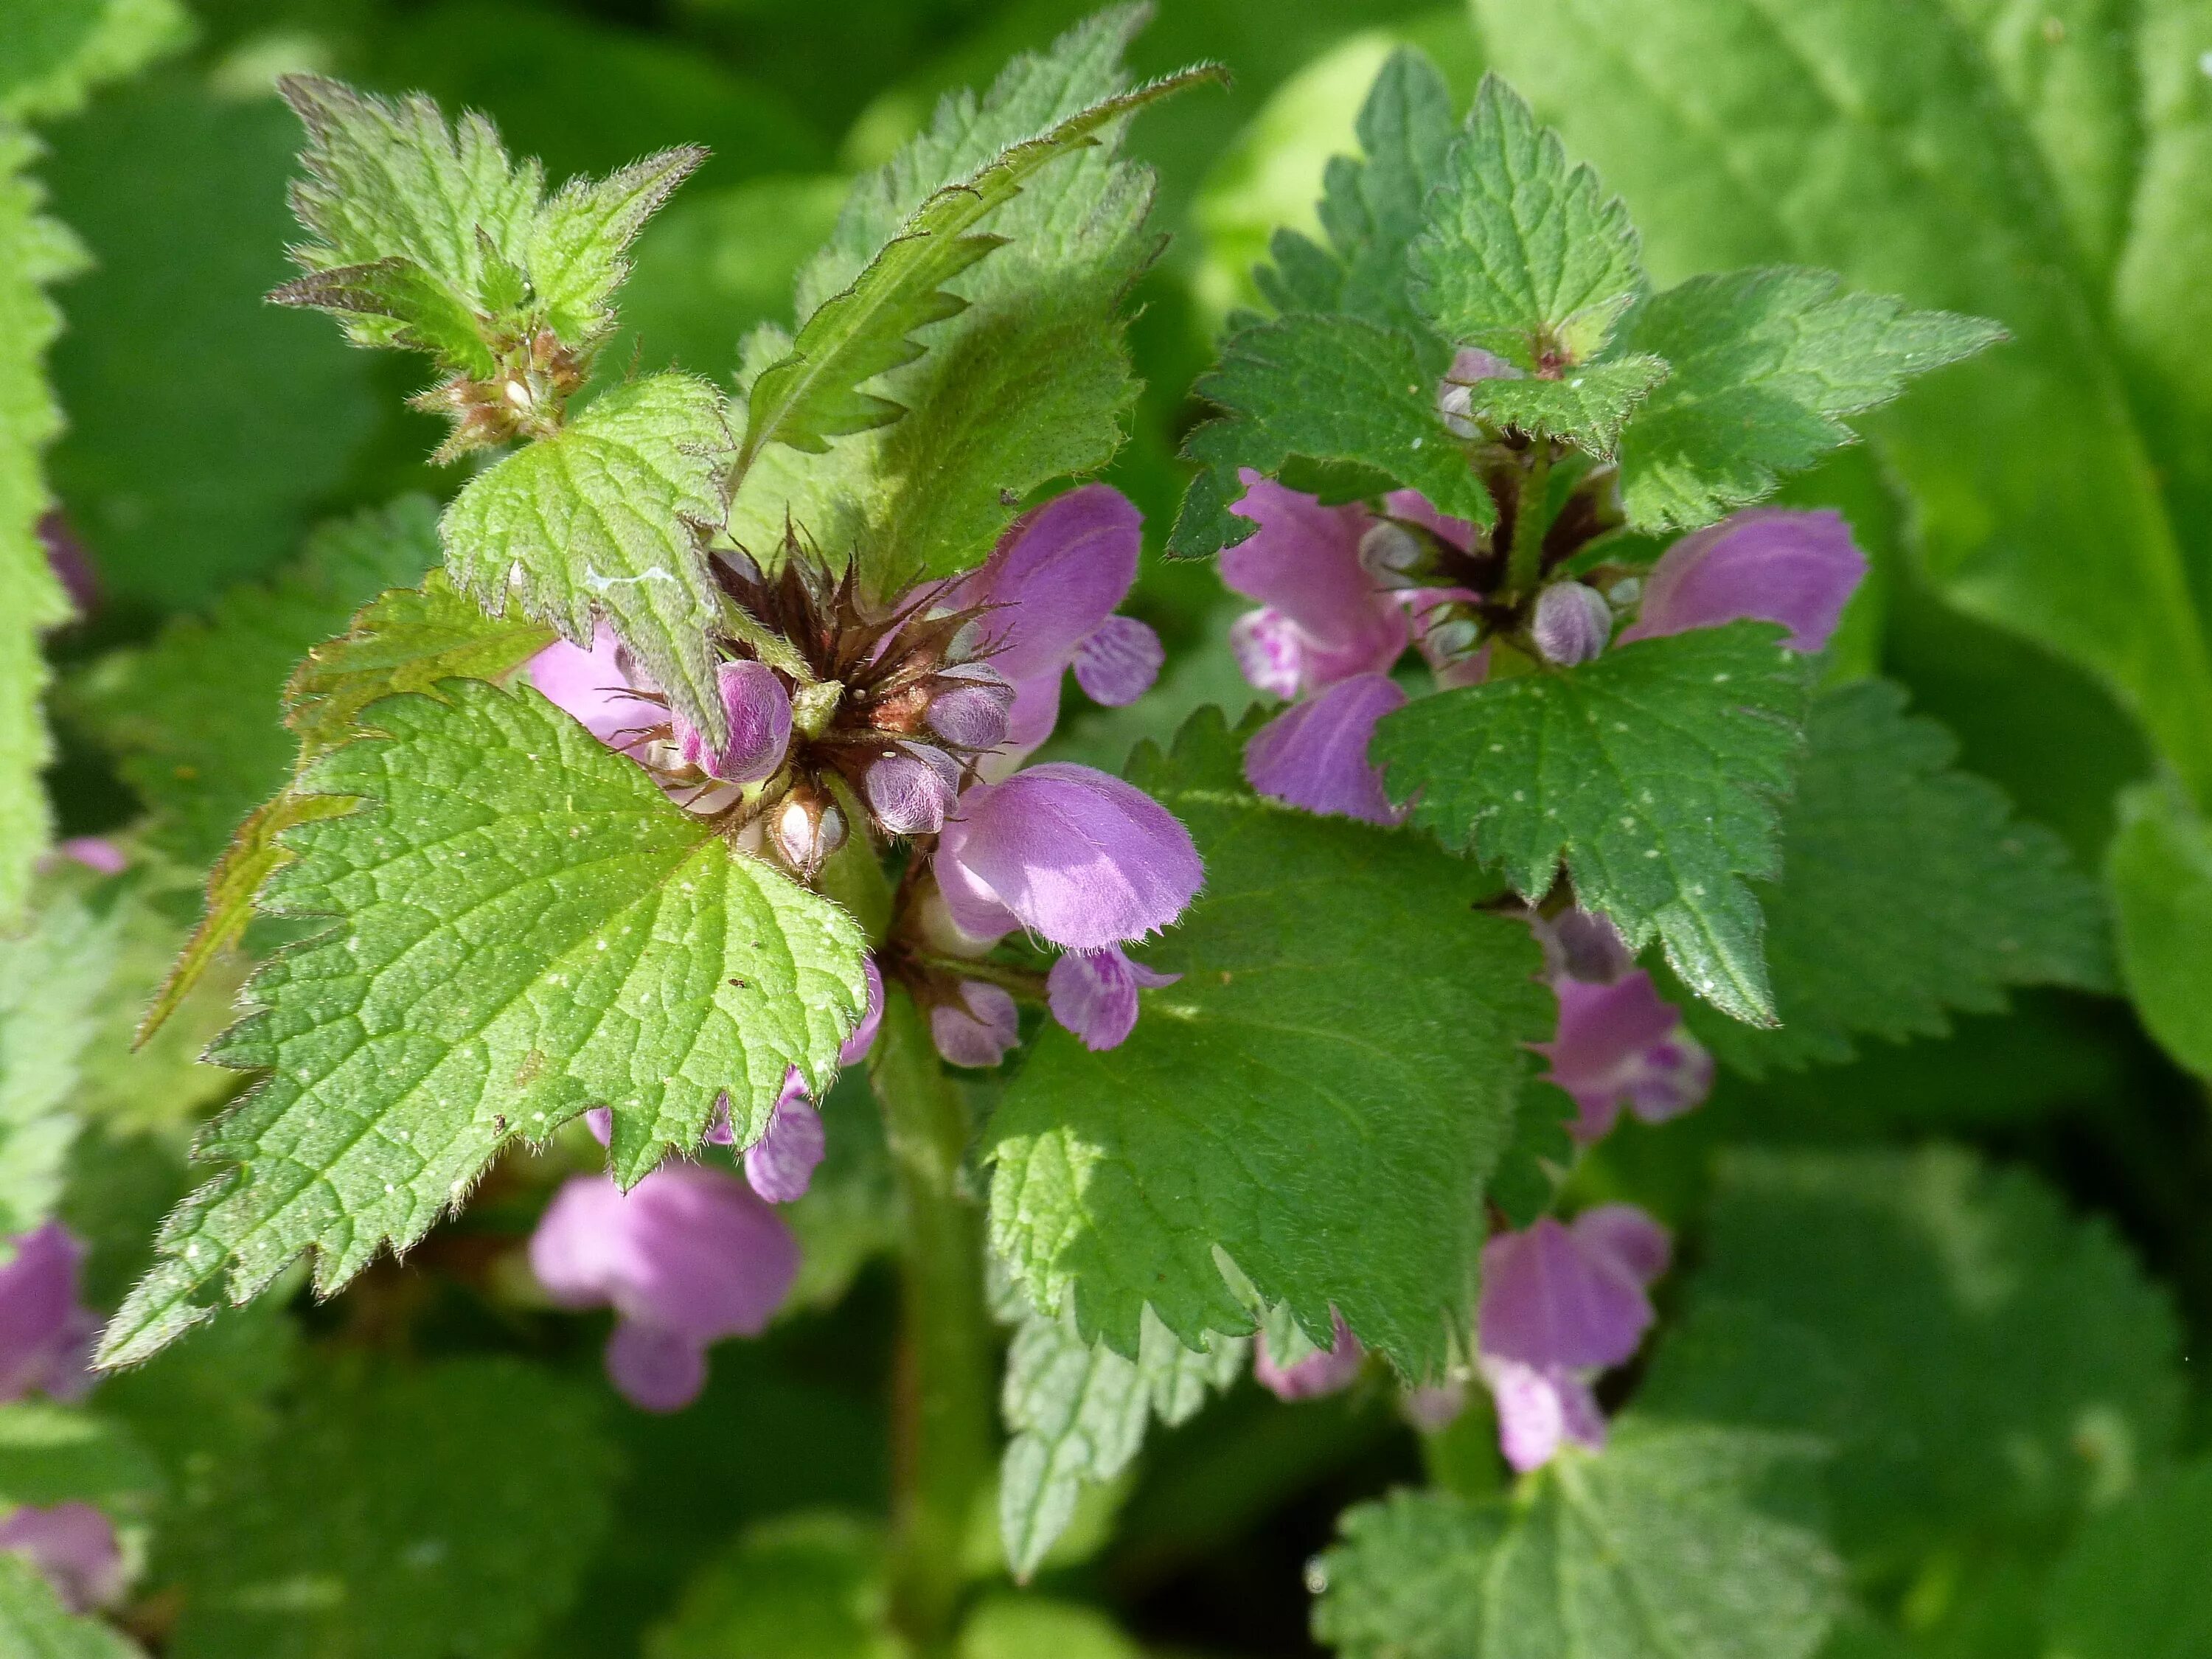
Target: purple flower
1571 624
1094 994
1582 944
856 1047
978 1028
1053 584
1623 1044
596 688
1324 618
1773 563
46 1333
1081 859
1314 754
685 1258
1325 1370
911 787
73 1546
95 853
66 558
1559 1305
759 711
972 707
779 1166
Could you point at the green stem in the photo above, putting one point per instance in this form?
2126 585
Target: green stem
1524 562
942 1435
770 646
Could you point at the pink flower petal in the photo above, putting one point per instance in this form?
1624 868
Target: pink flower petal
1314 754
1117 663
1773 563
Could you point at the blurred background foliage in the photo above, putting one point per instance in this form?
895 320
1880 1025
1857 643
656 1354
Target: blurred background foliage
208 433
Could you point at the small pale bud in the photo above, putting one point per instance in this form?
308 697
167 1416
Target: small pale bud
807 828
1392 554
1572 623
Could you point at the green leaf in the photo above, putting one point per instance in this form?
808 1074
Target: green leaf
1372 207
507 881
1656 774
1328 389
609 514
34 1623
1876 141
405 640
1522 256
56 52
2133 1586
430 236
1985 1366
1031 1627
53 1454
53 977
33 251
1077 1410
211 471
195 716
1674 1541
1326 1129
808 1586
1586 407
413 1514
1765 363
814 394
2160 872
1907 889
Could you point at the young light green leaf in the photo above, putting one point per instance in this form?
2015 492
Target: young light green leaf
1907 889
1587 406
1674 1541
1741 140
1323 388
446 1510
1985 1366
34 251
34 1625
2134 1585
1372 208
2159 872
1764 366
508 881
1077 1412
52 979
1328 1131
814 394
432 237
608 514
194 715
1522 256
1655 774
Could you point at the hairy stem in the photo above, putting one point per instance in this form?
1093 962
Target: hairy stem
942 1433
1524 565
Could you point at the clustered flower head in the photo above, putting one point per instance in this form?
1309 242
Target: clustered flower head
46 1336
906 720
1343 593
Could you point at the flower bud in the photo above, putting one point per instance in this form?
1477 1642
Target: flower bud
970 707
1393 555
1456 401
759 711
807 828
1572 623
910 788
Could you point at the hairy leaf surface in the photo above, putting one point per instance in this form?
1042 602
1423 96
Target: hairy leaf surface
1674 1541
1764 366
1077 1412
1323 388
1655 775
527 927
34 1625
1319 1098
1908 889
